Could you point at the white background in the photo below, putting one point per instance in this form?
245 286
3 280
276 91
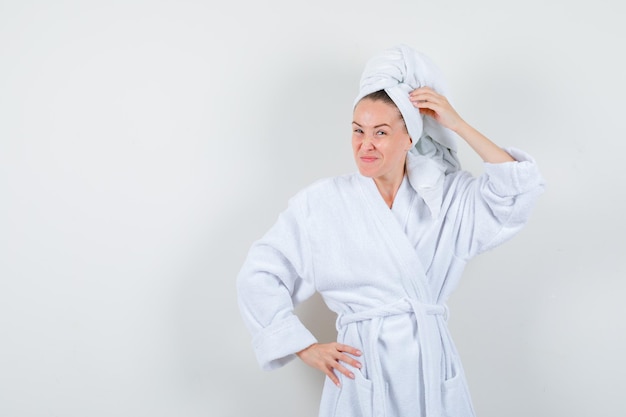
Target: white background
144 145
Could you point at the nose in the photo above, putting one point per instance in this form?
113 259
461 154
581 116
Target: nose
368 142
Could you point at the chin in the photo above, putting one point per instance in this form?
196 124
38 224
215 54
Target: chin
367 172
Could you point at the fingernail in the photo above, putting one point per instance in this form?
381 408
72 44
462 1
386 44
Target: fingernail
351 375
358 352
358 365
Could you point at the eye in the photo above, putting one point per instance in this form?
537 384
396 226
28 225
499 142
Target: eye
381 133
357 130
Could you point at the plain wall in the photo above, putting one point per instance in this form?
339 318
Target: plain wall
144 145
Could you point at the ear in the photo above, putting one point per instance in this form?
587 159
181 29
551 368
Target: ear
411 142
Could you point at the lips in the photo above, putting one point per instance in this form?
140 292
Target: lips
368 159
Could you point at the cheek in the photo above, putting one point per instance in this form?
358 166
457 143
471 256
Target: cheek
408 144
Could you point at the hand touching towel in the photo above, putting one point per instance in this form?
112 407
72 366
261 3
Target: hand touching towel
398 71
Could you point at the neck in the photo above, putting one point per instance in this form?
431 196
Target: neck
389 188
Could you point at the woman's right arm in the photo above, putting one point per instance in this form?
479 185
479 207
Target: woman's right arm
276 276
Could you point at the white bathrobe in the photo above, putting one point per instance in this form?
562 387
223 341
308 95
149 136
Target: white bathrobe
387 273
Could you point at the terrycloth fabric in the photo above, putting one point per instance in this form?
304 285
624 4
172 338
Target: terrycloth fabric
387 273
398 71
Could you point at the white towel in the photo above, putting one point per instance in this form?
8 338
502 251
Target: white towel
398 71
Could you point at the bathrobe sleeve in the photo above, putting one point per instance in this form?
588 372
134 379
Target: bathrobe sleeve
492 208
275 277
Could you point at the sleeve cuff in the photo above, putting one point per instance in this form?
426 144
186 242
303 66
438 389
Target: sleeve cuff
513 178
277 344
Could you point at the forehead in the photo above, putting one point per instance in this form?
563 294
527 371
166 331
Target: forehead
376 112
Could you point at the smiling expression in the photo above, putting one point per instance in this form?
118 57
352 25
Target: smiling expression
380 140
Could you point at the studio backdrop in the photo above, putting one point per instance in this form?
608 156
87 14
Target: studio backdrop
144 145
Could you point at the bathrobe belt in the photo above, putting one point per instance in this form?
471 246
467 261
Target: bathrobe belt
429 339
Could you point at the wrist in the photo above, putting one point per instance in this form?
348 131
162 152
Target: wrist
462 128
299 354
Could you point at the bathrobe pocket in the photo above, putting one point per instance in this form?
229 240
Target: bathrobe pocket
356 398
365 394
455 399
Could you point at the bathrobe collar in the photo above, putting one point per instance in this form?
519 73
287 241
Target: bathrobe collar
426 176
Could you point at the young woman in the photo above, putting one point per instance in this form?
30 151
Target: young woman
385 247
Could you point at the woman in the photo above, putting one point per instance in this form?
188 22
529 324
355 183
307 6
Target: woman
385 248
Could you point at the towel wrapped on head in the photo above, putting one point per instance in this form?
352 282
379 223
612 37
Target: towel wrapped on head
398 71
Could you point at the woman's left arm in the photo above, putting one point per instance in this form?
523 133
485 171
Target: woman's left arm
437 106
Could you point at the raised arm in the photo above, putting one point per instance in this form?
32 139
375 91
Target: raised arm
492 207
437 106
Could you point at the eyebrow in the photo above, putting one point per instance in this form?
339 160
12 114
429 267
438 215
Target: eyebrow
377 126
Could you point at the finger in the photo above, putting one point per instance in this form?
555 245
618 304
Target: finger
435 105
423 93
428 112
351 361
427 107
348 349
427 98
421 103
343 370
422 90
330 374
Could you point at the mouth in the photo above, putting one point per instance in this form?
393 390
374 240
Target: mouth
368 159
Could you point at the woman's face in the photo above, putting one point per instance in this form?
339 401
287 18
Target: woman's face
380 140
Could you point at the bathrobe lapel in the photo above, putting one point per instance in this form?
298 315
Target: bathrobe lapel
413 275
414 282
